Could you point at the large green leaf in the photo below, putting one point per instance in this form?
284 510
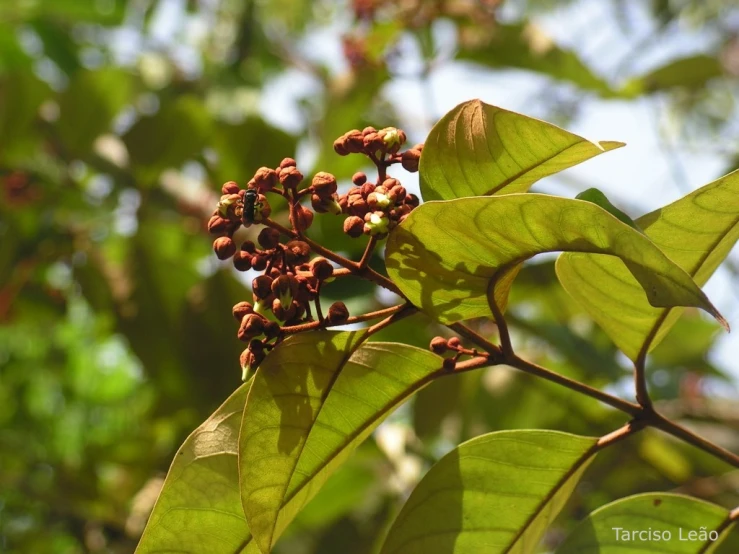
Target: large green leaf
665 520
495 493
696 232
316 398
446 255
478 149
199 508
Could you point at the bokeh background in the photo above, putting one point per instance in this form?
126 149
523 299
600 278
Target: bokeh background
120 120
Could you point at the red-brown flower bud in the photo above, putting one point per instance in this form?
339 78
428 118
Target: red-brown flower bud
217 225
359 207
321 268
252 325
340 146
230 188
290 176
224 248
412 200
367 189
301 218
259 262
262 286
359 178
324 184
454 343
297 252
322 205
242 261
354 142
287 162
265 179
438 345
241 309
410 159
367 130
353 226
337 313
268 238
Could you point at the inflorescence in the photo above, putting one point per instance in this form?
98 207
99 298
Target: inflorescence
291 279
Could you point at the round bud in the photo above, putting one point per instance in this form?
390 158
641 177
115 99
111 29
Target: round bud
262 286
224 248
230 188
438 345
353 226
321 268
268 238
242 261
324 184
337 313
241 309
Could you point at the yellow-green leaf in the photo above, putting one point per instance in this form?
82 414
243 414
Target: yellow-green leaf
478 149
493 494
696 232
199 508
446 255
655 522
314 400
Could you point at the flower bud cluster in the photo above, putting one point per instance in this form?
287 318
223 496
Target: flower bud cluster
370 142
440 345
290 280
375 209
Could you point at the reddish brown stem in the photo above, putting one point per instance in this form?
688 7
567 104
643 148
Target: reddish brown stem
356 319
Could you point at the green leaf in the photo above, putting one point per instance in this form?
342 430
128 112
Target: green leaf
244 148
525 46
696 232
478 149
691 73
199 508
89 105
670 518
495 493
446 255
177 132
599 199
314 400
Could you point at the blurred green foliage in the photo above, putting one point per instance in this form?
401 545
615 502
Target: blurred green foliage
119 121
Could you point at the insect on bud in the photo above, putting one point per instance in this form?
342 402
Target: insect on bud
224 248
